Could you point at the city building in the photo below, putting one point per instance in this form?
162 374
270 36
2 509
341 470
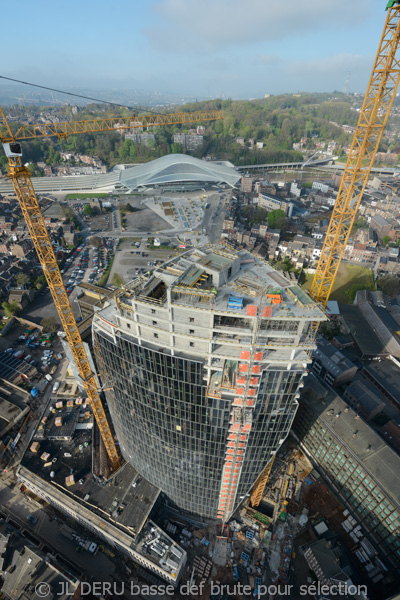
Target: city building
326 560
14 405
369 332
362 469
247 184
331 365
189 141
362 399
385 377
205 359
380 225
66 454
25 571
275 203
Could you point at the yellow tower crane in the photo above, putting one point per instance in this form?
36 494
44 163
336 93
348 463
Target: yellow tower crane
374 113
378 101
21 179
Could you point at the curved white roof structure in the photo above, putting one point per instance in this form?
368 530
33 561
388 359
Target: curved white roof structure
178 169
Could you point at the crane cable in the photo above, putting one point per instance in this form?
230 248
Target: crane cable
43 87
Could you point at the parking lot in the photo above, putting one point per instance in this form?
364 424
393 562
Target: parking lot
42 351
88 264
135 258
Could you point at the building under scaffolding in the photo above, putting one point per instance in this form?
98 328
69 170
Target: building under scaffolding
203 361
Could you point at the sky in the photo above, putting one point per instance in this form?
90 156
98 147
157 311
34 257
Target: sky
204 48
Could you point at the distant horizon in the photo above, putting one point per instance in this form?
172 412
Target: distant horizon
32 96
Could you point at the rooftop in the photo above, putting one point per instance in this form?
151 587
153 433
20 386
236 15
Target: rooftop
361 331
387 374
334 361
23 567
55 463
178 168
360 390
62 454
362 441
224 280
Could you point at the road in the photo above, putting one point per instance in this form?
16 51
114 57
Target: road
214 217
17 506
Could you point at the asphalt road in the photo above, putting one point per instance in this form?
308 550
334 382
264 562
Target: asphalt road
214 217
17 506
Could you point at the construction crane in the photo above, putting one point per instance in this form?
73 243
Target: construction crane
21 179
378 101
374 113
259 486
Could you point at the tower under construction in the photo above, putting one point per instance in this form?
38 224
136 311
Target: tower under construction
201 364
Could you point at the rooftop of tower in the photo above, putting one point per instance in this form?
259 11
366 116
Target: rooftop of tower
226 280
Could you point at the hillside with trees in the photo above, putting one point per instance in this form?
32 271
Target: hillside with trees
277 121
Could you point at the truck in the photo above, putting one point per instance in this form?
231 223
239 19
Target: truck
82 541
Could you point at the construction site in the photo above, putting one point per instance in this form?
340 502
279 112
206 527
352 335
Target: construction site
200 366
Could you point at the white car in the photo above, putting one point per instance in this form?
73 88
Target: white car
56 386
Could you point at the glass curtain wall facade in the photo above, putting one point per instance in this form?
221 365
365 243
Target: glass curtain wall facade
175 435
204 367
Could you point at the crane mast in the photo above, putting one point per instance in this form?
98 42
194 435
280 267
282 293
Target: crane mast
378 101
21 179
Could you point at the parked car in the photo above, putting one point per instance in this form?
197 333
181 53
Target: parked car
31 519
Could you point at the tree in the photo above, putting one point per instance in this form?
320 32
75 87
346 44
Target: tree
95 241
10 308
275 218
389 284
49 325
88 210
386 239
23 279
40 281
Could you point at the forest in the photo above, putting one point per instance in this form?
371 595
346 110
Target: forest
277 121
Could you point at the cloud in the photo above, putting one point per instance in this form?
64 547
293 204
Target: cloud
266 60
330 65
206 25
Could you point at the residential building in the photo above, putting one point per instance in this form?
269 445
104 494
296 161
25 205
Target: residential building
362 469
362 399
380 225
331 365
205 359
25 571
274 203
247 185
295 189
188 141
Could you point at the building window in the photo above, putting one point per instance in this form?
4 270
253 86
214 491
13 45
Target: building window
191 330
191 344
153 311
155 335
128 325
191 319
154 322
